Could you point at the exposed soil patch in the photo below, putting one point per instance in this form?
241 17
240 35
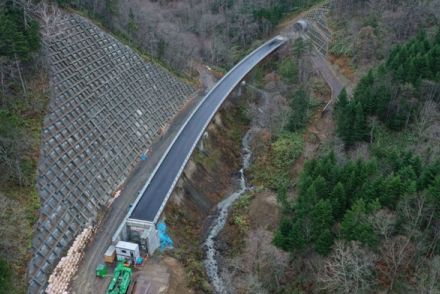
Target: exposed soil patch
342 65
263 212
177 272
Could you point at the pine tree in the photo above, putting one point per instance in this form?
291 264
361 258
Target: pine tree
355 225
297 237
323 244
341 103
321 217
382 100
407 175
361 172
347 177
338 200
15 39
282 235
299 111
402 73
359 123
428 175
411 71
437 37
434 195
321 187
311 197
434 61
6 274
304 182
368 191
345 125
392 190
392 57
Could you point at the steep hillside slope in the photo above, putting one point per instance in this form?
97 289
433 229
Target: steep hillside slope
183 32
107 106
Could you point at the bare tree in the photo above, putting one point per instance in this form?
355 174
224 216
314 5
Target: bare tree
349 269
429 275
396 258
52 20
366 46
383 222
427 123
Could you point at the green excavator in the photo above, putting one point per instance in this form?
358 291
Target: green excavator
121 280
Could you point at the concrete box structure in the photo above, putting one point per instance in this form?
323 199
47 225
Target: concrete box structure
127 251
143 232
150 240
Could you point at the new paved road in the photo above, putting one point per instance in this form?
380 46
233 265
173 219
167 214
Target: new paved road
160 185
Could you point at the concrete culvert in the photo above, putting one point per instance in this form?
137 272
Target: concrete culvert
300 26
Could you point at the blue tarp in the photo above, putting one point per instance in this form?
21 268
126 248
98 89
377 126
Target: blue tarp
164 238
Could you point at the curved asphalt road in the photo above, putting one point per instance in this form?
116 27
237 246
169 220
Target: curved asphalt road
157 190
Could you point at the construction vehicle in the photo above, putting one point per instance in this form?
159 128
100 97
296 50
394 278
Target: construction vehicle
121 280
101 270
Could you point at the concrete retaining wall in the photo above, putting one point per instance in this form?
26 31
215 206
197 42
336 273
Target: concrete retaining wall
107 106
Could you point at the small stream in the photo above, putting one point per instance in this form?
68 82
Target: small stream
222 215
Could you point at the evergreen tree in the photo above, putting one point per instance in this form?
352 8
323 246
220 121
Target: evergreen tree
428 175
407 175
437 37
5 277
338 200
434 61
344 125
434 195
308 201
402 73
341 103
297 236
283 234
15 39
323 244
322 217
369 190
321 187
392 60
392 190
412 72
355 225
299 111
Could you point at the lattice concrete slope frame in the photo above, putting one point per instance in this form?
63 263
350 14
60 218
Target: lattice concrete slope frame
107 106
317 29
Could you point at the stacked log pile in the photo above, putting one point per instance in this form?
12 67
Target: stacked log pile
68 265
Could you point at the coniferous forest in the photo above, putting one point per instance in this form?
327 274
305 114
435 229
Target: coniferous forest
392 92
380 211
